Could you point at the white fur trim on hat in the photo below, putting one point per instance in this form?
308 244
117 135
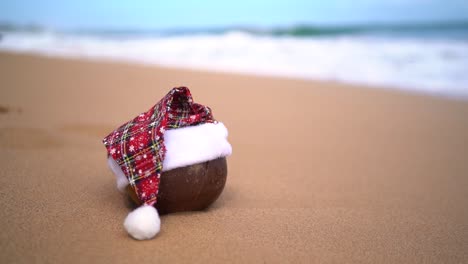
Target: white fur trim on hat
195 144
143 223
122 180
187 146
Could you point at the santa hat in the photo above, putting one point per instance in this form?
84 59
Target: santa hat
174 133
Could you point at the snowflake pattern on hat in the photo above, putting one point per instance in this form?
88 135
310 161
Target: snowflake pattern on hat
138 145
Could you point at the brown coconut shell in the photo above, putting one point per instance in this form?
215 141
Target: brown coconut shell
190 188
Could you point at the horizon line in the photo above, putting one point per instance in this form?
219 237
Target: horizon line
364 26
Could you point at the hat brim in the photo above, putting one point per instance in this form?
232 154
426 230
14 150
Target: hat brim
186 146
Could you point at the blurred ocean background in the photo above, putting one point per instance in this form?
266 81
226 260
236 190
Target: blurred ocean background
422 56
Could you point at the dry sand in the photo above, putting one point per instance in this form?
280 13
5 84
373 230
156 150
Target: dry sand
321 172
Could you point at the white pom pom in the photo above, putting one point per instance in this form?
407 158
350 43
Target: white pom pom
143 222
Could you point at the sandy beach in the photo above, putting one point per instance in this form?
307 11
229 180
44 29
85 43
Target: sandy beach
320 172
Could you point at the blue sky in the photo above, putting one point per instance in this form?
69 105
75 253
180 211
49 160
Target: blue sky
148 14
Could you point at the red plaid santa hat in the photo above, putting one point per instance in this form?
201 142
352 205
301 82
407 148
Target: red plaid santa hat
176 132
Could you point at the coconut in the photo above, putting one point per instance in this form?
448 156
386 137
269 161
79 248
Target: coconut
189 188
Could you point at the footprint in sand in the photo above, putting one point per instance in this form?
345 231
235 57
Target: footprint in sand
98 131
27 138
3 109
6 109
35 138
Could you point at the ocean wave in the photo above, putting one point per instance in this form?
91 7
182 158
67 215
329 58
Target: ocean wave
435 65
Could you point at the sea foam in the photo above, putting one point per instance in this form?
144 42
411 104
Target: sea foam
428 65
